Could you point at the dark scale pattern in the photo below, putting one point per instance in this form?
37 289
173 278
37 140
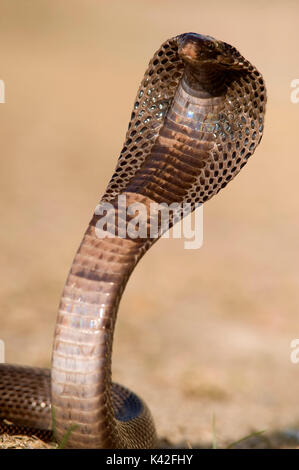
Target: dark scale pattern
228 130
152 102
235 131
197 119
25 400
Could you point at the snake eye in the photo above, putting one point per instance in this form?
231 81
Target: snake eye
211 46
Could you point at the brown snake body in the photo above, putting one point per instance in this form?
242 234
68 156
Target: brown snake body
197 118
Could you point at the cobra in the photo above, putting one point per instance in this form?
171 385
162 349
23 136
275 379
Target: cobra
197 118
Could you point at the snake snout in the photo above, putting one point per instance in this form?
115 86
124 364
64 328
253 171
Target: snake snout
195 48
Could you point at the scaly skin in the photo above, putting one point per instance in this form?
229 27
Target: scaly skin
197 118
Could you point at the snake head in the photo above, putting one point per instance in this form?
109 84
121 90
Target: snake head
200 51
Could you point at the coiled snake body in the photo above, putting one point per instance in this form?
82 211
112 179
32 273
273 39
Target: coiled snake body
197 119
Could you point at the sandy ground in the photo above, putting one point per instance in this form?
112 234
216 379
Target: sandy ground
200 333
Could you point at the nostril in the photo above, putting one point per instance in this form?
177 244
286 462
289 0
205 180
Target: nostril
187 50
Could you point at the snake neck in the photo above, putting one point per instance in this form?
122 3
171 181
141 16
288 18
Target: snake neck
205 82
81 369
182 153
81 364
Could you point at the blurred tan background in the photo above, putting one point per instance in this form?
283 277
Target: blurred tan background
199 332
